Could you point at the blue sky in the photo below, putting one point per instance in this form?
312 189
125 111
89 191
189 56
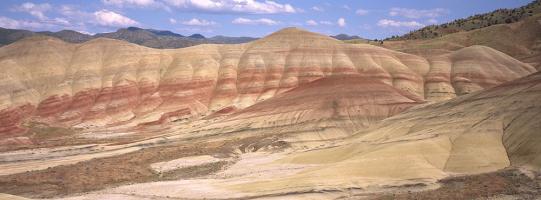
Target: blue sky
257 18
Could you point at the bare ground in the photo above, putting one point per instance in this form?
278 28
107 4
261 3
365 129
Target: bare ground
508 182
124 169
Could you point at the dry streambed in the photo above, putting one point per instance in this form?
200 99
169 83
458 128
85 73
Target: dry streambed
169 161
212 169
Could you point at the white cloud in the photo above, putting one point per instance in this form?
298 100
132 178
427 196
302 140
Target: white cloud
172 21
416 14
121 3
60 21
18 24
361 11
198 22
346 7
261 21
73 13
86 32
432 21
237 6
137 3
311 23
192 30
318 9
81 20
326 22
69 17
341 22
36 10
112 19
393 23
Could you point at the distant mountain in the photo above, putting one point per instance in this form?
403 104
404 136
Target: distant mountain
68 35
158 32
197 36
151 38
160 39
345 37
500 16
8 36
220 39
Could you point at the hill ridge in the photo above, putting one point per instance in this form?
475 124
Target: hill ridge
207 78
500 16
162 39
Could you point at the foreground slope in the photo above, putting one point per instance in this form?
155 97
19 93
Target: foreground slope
480 132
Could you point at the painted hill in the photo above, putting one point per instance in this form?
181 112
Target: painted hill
423 150
107 82
292 115
329 107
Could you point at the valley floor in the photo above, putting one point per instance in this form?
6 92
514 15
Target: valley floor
191 169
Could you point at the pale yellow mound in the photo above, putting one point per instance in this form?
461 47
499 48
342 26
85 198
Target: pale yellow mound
476 133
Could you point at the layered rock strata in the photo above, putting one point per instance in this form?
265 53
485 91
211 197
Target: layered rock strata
107 82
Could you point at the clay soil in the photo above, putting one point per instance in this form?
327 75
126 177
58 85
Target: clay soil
124 169
510 183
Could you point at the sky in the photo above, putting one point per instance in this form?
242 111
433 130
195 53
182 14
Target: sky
255 18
